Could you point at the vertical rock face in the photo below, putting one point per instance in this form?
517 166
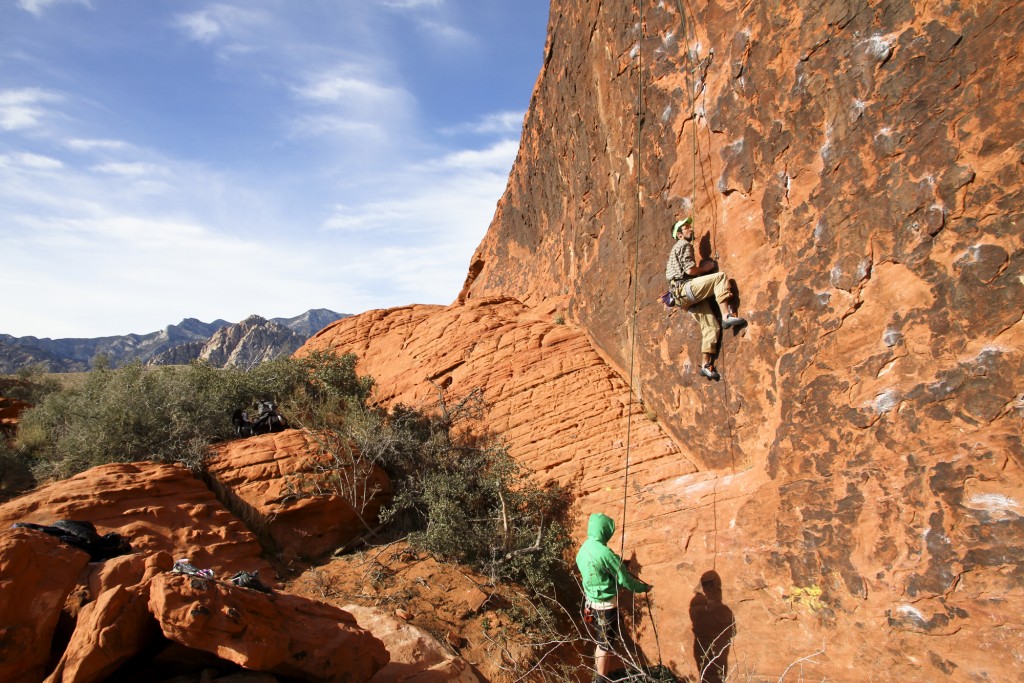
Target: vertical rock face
858 169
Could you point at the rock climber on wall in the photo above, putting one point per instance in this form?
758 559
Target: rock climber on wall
692 287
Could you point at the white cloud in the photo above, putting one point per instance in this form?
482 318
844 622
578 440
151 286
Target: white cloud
27 160
496 157
133 170
220 21
337 126
37 7
446 202
23 109
347 102
199 26
505 122
83 145
446 32
345 88
499 122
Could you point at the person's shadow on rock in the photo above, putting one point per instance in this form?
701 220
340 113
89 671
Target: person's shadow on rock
713 630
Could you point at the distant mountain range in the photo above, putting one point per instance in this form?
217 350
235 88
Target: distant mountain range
221 343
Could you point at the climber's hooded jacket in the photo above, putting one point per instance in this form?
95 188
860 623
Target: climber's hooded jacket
602 570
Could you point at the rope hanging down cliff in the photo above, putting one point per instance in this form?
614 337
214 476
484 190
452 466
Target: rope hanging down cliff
633 317
699 70
695 273
640 115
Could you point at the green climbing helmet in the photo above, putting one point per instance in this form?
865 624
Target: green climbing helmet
679 226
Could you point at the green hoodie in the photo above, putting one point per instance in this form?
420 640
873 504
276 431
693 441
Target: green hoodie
601 568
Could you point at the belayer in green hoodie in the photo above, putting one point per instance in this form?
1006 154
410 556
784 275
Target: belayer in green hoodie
603 575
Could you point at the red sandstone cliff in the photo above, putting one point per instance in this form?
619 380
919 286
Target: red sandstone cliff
855 480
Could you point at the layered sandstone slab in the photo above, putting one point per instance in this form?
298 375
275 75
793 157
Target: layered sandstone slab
308 493
557 405
156 507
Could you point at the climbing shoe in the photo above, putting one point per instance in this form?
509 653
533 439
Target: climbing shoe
709 372
733 321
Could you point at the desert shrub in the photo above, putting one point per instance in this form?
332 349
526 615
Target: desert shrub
15 473
32 384
172 414
463 498
484 509
458 495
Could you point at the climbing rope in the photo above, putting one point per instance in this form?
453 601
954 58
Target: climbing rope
690 88
636 266
686 21
632 332
635 286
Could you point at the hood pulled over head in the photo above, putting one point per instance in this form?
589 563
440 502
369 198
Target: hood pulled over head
600 527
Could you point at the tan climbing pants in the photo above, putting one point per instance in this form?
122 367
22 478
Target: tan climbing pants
695 294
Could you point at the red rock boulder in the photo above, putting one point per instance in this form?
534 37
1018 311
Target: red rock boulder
416 656
37 573
114 625
281 634
308 493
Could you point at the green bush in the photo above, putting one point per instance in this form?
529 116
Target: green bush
484 509
15 474
32 384
463 498
173 414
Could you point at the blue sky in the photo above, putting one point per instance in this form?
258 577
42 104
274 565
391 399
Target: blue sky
163 159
